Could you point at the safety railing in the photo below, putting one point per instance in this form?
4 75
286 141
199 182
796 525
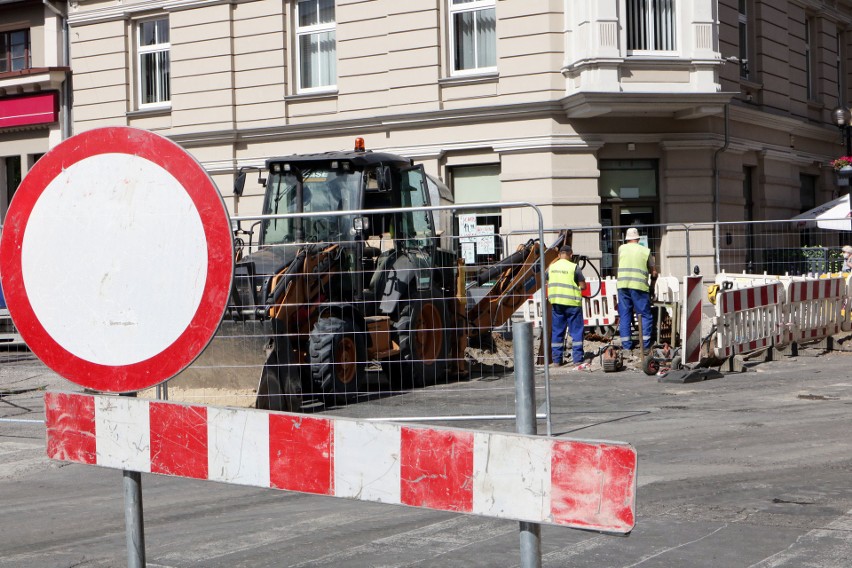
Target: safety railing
780 247
416 315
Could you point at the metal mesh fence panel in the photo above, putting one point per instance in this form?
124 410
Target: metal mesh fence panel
790 247
368 314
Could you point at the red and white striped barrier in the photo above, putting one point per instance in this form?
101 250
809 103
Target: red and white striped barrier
598 311
691 320
579 484
603 308
813 308
749 319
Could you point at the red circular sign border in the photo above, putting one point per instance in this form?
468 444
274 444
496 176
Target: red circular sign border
215 221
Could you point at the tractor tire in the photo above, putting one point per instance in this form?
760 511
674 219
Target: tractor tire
423 342
280 386
338 358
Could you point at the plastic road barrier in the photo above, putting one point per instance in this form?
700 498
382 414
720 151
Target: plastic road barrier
749 319
814 307
598 311
602 309
578 484
691 321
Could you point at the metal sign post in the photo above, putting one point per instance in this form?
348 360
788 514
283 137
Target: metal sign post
525 423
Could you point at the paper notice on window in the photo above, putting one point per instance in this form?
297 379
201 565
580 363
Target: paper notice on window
467 225
468 252
485 239
467 229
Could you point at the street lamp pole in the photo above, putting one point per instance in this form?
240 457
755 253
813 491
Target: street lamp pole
842 116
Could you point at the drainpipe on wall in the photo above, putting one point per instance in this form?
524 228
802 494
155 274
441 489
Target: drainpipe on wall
65 92
716 190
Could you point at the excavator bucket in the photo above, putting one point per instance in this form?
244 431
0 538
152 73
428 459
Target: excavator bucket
227 371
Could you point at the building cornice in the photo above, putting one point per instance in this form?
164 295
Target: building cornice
682 106
756 117
366 125
507 145
33 80
121 11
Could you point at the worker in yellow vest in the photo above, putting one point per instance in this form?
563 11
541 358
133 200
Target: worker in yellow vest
635 263
565 285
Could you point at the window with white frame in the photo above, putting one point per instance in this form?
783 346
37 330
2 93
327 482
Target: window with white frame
473 36
316 40
154 63
651 25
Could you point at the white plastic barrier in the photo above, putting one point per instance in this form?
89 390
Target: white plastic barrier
603 308
813 308
667 290
740 281
597 311
749 319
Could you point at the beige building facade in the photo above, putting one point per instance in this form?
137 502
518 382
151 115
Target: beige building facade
35 87
601 112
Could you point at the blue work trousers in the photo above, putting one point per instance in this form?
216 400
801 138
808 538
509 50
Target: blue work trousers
566 318
632 302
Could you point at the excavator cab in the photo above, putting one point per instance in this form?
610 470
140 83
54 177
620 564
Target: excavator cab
340 291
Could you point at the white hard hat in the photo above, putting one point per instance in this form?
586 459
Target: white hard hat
632 234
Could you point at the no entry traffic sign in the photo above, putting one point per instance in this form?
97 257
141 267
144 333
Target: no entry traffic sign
116 259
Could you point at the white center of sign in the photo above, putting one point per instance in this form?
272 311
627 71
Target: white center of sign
114 259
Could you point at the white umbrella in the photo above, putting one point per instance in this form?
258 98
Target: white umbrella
834 215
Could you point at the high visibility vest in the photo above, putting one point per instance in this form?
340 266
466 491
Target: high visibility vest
633 266
562 288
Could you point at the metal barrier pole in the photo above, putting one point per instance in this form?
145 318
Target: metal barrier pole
525 423
133 523
716 230
688 254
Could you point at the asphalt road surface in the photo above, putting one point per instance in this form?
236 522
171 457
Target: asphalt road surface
751 470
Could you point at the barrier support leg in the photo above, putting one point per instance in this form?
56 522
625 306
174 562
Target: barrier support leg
525 423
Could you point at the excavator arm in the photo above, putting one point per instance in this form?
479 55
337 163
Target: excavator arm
518 276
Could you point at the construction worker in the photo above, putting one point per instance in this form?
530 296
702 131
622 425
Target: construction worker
635 263
847 259
565 285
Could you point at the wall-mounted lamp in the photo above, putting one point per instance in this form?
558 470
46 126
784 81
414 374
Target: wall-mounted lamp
842 116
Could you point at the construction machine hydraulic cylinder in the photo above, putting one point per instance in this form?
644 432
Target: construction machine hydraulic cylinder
489 273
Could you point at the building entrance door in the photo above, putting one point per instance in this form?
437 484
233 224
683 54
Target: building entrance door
615 219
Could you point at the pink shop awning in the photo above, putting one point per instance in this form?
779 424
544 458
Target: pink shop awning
27 110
